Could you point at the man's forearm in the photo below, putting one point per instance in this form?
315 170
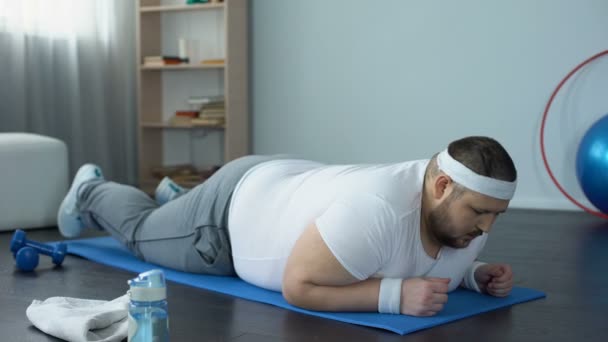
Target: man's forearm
360 296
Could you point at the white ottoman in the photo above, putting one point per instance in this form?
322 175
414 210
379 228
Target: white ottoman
33 179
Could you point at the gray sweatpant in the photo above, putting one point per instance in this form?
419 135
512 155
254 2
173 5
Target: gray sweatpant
189 233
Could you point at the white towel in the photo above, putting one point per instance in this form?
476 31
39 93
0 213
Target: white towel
81 320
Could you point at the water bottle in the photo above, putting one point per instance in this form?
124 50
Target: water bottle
148 315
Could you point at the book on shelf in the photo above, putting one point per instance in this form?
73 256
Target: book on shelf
207 121
183 117
211 106
187 121
214 61
215 116
187 113
156 61
212 111
180 121
205 100
214 106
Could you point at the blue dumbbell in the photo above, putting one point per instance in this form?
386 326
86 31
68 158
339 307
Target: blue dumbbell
56 252
27 259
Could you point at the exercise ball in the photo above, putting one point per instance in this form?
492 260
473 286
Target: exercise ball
592 164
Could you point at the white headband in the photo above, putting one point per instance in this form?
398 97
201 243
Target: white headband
466 177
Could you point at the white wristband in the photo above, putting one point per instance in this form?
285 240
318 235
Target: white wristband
469 277
389 300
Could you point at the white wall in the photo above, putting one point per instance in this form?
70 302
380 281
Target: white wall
350 81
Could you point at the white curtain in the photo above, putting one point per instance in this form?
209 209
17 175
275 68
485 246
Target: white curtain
67 70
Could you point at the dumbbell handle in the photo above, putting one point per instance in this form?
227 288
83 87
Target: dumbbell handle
57 253
41 247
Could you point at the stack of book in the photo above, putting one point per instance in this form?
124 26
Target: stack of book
206 111
213 113
211 110
156 61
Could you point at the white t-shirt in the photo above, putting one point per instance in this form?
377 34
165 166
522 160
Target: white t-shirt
368 215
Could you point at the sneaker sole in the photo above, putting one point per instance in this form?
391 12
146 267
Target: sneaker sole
68 205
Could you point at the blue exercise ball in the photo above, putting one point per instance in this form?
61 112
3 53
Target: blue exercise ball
592 164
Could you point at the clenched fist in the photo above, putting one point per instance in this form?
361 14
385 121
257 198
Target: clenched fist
423 296
495 279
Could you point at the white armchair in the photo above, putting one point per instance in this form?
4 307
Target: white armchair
33 180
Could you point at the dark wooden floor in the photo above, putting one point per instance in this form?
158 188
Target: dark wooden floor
564 254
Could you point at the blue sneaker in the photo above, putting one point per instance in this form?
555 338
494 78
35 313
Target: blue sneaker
68 217
167 190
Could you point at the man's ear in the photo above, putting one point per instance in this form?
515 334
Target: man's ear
441 185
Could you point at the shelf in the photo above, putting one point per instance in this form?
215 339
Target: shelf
220 27
182 67
159 125
179 8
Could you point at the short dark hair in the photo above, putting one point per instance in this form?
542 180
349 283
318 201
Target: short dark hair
484 156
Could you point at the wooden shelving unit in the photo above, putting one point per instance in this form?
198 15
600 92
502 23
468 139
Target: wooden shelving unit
158 23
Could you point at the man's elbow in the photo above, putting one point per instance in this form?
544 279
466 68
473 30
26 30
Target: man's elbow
295 292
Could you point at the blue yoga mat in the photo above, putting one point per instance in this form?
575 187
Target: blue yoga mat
461 304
